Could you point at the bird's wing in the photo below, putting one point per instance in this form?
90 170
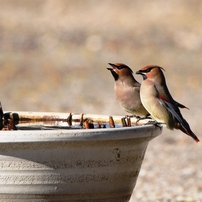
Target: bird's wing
182 125
171 109
180 105
175 112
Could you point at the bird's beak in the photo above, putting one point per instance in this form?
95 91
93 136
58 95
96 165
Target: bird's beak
113 66
139 72
113 71
142 73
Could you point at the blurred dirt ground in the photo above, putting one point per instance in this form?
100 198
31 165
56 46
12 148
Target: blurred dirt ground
54 55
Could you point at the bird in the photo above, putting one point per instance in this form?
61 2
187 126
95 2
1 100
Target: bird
127 90
157 100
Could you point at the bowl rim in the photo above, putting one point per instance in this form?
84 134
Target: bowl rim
102 134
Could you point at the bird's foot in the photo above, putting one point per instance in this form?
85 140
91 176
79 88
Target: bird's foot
132 116
142 118
155 123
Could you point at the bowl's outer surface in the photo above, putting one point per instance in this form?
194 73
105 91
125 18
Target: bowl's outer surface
72 165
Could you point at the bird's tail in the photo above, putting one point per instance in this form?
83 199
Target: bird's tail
186 129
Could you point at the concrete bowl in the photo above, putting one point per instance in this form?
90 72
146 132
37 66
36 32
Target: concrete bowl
72 165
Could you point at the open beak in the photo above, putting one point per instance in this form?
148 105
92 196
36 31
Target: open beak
113 71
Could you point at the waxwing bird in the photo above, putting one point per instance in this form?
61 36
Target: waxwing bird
158 101
127 89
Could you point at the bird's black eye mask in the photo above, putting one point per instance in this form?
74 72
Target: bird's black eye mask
145 71
123 67
148 70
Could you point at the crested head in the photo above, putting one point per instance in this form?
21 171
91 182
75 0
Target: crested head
121 67
148 68
151 72
120 70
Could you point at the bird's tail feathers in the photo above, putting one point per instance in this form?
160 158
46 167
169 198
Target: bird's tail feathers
187 131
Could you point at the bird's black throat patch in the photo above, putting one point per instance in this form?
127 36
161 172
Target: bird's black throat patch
114 74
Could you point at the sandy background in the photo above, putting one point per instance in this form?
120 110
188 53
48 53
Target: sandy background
54 55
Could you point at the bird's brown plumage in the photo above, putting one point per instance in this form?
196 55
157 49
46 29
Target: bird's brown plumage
127 89
158 101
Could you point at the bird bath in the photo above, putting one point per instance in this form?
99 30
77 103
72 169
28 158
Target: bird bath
75 164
